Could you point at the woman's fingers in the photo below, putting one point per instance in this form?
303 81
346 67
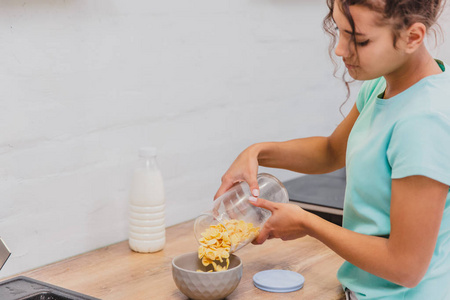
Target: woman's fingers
225 186
253 184
263 203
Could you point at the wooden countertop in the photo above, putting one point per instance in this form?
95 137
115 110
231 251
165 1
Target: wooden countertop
117 273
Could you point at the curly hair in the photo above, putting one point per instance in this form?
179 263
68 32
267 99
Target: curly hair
399 15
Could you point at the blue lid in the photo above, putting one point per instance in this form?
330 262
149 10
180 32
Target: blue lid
278 281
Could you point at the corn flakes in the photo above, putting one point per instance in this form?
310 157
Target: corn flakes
218 240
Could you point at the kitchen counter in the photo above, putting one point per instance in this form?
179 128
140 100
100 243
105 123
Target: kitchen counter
117 273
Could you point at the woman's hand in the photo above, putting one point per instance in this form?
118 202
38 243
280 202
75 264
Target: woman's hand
287 221
244 168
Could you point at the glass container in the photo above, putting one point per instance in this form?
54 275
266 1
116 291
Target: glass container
234 205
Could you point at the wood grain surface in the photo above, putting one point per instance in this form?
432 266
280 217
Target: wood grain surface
117 273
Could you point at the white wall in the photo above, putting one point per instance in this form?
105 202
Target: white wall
84 84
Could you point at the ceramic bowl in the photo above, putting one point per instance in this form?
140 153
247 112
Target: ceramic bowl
204 285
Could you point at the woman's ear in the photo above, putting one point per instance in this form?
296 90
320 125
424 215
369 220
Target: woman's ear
414 37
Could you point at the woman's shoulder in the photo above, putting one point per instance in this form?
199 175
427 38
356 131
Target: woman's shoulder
432 94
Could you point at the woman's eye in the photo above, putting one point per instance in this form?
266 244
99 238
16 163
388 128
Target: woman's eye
362 44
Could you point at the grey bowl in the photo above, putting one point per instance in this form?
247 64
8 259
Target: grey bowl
204 285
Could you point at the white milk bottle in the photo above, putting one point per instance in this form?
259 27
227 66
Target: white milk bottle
147 201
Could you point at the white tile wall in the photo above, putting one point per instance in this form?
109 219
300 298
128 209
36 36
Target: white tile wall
84 84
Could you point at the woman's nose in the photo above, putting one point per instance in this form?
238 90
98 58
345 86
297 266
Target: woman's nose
342 48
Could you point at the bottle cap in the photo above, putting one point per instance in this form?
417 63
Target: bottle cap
147 151
278 281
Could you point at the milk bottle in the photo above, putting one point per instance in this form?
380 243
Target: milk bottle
147 202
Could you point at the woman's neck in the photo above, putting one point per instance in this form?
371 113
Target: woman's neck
419 65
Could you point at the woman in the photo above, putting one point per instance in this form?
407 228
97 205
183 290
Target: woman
395 145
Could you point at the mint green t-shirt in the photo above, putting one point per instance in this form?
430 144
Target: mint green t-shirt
408 134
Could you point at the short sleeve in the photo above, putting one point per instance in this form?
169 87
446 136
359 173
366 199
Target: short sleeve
420 145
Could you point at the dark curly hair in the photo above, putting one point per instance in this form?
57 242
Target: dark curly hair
400 15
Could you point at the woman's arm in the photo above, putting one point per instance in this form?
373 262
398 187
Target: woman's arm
313 155
417 205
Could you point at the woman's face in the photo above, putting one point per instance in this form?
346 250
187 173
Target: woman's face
376 53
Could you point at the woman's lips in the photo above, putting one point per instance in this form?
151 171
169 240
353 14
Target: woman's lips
349 66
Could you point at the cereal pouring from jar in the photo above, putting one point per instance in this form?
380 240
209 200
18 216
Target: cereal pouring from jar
219 240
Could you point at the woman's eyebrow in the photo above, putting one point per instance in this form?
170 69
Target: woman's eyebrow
347 31
355 33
